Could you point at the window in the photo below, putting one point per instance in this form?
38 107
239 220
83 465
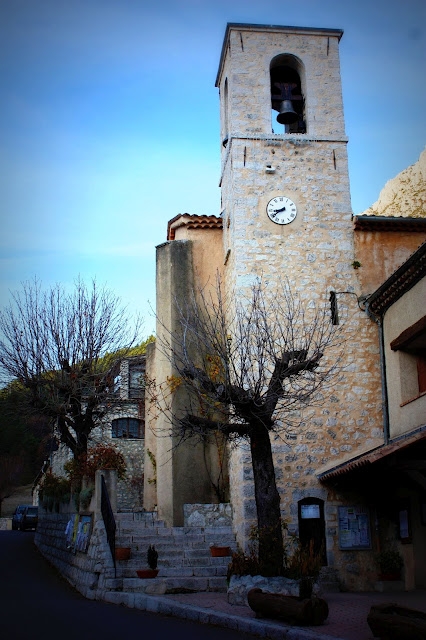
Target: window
411 345
117 384
127 428
136 382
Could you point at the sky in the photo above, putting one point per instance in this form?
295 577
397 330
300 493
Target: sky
109 124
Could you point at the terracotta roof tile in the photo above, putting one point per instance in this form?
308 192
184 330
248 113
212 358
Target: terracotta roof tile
192 222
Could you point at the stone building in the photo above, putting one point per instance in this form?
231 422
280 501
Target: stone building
123 425
286 213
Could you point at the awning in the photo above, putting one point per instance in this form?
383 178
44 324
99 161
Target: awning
378 454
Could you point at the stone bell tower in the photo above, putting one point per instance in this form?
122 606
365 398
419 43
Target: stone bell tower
285 188
286 213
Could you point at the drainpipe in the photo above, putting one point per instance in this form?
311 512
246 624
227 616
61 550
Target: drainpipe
385 403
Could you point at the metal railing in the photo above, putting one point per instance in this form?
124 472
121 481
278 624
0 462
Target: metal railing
109 520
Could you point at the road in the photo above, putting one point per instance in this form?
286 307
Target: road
36 602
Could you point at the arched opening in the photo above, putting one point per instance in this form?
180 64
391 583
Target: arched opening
287 100
312 526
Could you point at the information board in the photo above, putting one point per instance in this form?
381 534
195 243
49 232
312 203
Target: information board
354 528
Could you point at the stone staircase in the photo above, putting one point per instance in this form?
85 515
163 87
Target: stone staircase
184 559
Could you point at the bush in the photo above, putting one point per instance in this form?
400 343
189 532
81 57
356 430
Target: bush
54 491
390 561
98 457
305 562
243 565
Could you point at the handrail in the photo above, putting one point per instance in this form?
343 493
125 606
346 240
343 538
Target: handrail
109 520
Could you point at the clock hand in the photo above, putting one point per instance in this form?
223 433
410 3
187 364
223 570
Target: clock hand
279 210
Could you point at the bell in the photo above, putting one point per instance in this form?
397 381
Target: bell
287 114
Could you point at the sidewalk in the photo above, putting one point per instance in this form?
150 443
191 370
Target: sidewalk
347 618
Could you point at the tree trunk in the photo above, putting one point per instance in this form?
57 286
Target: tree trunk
300 611
267 503
389 620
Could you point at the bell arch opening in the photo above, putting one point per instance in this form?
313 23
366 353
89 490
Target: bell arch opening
287 95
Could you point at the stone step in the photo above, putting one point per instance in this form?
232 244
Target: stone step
176 572
138 559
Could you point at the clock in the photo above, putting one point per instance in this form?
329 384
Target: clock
281 210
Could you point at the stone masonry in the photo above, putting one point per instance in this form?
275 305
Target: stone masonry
314 253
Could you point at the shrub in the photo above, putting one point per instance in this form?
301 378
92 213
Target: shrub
243 565
54 491
390 561
98 457
305 561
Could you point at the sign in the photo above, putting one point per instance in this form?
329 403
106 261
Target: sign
308 511
354 528
78 532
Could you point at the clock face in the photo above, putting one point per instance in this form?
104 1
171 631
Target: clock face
281 210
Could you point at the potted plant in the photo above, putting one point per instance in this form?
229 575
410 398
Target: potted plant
122 553
152 558
217 551
390 563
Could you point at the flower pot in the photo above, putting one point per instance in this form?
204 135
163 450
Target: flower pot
220 552
122 553
147 573
390 575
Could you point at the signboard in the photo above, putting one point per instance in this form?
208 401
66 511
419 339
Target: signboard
77 532
354 528
308 511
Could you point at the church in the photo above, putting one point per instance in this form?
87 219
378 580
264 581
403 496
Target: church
353 479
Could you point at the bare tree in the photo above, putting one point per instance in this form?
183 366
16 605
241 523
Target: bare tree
63 348
247 366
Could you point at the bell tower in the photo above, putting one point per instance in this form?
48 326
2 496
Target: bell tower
287 214
284 176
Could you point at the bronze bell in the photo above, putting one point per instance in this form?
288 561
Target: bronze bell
287 114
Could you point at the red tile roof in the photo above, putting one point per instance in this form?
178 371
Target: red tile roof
192 222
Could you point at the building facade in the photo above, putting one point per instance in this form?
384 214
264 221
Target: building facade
286 216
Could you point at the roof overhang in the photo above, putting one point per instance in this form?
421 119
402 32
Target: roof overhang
401 281
389 223
379 454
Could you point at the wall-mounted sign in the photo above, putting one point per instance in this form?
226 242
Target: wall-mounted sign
309 511
354 528
78 532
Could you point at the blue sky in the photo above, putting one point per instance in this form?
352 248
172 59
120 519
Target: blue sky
110 123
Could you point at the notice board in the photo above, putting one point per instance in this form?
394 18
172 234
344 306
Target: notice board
354 528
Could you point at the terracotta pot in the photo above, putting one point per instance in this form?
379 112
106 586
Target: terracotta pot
122 553
390 575
147 573
220 552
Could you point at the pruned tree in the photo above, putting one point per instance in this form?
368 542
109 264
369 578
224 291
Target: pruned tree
63 347
247 366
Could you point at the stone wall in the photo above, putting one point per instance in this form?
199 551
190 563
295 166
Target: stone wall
5 524
86 572
207 515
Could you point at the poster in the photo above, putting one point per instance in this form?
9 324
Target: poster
354 528
78 532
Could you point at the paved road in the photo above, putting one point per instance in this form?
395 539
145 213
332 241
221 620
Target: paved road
36 602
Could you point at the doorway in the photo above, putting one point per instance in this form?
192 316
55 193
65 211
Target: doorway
312 526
